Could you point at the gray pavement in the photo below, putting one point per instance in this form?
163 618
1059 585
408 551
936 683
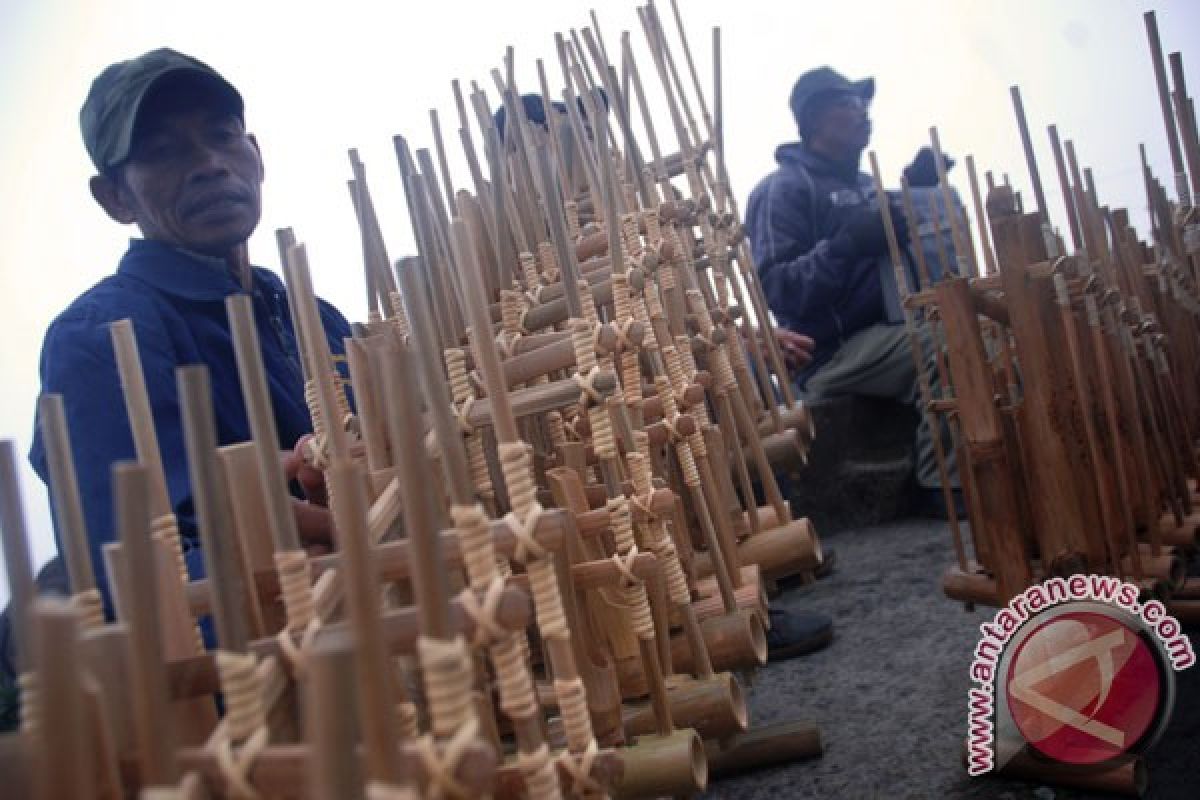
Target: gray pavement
890 693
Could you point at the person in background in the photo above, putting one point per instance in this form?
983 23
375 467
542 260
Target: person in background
817 233
167 136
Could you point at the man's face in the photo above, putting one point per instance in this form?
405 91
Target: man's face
842 123
193 179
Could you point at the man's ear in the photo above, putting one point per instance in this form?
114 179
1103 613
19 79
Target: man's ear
105 191
261 169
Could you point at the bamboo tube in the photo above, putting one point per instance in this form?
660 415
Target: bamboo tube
332 730
213 516
971 587
141 418
1109 515
1187 122
733 641
791 549
672 765
376 694
17 563
714 707
64 755
64 493
1164 100
1030 160
766 746
155 735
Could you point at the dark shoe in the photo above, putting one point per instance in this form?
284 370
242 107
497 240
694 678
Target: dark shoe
931 504
795 633
828 563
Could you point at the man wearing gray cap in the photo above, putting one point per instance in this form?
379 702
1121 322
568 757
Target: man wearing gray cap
166 134
817 233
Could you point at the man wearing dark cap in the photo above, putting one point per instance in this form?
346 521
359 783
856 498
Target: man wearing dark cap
818 238
167 136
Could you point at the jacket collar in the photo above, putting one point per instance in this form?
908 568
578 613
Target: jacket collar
180 272
796 154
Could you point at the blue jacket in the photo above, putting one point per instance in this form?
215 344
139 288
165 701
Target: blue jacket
176 300
812 282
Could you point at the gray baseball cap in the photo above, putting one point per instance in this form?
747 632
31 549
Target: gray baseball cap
822 80
110 111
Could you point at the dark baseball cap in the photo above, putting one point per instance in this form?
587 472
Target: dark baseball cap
823 80
110 112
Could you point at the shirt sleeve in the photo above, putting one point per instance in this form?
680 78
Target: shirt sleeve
78 362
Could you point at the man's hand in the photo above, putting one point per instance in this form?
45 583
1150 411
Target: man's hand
863 234
314 523
314 526
796 347
311 479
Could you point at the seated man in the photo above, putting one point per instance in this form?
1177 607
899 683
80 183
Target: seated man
817 233
167 136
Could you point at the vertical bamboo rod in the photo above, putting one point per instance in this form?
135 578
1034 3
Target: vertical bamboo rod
1064 184
64 493
262 422
17 562
1164 101
213 517
1030 160
155 734
919 365
141 417
981 219
65 756
1189 137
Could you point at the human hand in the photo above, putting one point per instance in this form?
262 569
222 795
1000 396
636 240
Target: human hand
863 234
796 347
297 468
314 526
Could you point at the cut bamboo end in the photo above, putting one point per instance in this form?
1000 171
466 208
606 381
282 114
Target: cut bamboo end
656 766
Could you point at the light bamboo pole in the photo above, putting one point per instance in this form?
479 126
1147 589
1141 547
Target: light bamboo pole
68 510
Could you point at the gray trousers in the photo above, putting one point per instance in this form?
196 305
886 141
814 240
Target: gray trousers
878 362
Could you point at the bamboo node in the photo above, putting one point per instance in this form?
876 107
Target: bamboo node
589 394
295 583
244 733
487 628
30 702
579 767
442 767
513 681
446 665
90 606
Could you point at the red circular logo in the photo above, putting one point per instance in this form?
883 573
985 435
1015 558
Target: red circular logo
1083 687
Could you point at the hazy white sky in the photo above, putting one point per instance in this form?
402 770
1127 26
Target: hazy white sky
319 78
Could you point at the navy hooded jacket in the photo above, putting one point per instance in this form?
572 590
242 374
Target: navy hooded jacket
814 283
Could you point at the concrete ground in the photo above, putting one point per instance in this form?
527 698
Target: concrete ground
890 693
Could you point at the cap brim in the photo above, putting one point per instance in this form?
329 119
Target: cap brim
129 125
